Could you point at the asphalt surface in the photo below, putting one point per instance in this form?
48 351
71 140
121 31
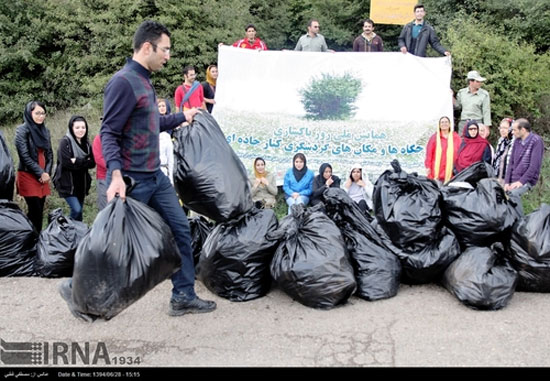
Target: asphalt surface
421 326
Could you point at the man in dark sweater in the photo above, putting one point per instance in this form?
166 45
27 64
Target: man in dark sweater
523 169
416 35
130 140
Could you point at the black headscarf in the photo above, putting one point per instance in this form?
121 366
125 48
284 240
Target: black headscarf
79 149
39 134
298 174
323 167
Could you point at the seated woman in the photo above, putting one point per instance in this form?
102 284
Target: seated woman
263 185
504 148
325 179
298 182
359 189
441 152
473 149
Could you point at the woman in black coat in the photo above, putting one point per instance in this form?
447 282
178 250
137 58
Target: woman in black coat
325 179
32 140
74 158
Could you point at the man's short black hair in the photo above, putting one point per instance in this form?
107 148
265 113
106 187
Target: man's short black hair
249 26
188 68
149 31
524 123
311 22
419 6
368 21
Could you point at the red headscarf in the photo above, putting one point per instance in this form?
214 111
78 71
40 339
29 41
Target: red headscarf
471 150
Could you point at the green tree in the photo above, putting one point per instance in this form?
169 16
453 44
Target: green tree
527 21
331 96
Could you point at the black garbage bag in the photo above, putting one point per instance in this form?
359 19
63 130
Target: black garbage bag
128 251
57 245
235 258
474 173
479 216
425 263
209 177
7 171
377 269
531 250
200 228
407 207
17 241
311 263
482 277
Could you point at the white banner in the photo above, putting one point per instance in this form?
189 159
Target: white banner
396 101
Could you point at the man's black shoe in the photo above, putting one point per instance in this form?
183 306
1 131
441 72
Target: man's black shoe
66 292
194 306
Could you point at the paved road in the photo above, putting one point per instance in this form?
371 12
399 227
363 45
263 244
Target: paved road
421 326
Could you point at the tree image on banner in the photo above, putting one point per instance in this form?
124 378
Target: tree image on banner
331 97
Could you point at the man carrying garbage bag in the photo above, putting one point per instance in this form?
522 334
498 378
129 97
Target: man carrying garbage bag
130 141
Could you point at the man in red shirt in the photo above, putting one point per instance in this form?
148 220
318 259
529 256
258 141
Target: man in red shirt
189 94
250 41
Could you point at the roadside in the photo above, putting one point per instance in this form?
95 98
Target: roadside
422 326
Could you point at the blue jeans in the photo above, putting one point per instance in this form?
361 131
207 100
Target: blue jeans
76 207
155 190
298 200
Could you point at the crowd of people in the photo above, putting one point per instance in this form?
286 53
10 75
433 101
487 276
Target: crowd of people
135 140
517 159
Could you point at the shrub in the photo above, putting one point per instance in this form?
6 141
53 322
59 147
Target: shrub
331 97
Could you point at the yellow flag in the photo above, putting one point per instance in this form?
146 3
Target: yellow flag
397 12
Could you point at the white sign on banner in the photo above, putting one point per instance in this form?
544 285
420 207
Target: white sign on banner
398 101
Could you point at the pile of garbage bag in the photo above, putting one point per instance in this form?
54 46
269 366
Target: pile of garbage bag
377 269
57 245
408 212
235 258
477 209
17 241
209 176
311 262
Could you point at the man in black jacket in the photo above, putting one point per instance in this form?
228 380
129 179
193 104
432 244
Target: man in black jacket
416 35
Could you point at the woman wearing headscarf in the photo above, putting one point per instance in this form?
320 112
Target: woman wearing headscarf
209 87
263 185
298 182
74 158
166 147
325 179
359 189
32 140
441 152
473 148
503 150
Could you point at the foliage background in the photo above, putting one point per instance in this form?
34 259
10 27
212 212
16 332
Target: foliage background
64 51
